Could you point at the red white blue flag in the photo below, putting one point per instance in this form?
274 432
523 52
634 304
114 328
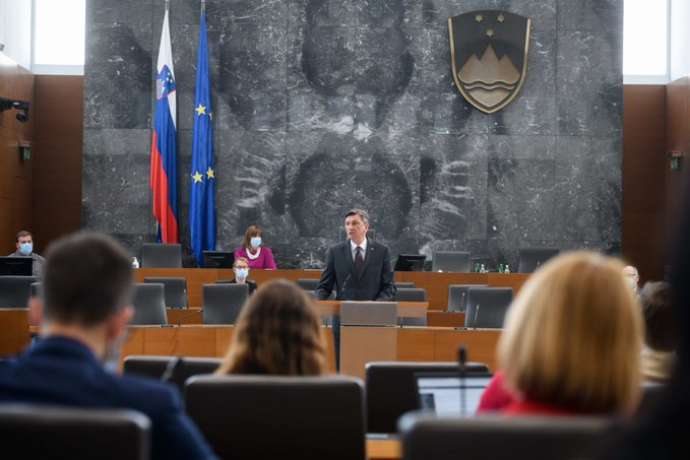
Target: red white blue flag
163 180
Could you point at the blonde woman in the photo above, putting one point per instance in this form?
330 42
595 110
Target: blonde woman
278 333
572 340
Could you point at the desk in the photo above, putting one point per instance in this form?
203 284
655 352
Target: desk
14 330
435 283
384 449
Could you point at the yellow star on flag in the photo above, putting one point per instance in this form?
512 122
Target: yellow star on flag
197 177
210 173
201 110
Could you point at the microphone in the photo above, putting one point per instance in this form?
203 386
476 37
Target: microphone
347 280
462 369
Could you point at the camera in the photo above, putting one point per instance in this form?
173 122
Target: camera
22 108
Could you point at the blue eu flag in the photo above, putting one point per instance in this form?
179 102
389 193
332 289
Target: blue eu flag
202 205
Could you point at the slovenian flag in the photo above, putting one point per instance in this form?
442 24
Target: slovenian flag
202 203
163 180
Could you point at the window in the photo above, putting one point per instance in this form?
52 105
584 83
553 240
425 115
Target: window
59 36
646 41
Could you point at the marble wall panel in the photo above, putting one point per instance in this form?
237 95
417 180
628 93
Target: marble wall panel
321 105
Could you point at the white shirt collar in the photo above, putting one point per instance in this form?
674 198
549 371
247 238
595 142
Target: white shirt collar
353 248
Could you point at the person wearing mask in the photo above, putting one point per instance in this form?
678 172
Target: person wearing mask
252 249
240 268
571 341
85 310
278 332
25 248
632 277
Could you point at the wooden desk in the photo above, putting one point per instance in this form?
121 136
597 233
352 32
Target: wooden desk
192 340
14 330
435 283
383 449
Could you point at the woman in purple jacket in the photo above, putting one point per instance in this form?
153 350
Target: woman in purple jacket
251 249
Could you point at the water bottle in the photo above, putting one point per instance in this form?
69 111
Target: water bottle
507 270
135 262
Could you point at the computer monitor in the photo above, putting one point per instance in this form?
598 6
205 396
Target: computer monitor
410 263
17 266
443 392
218 259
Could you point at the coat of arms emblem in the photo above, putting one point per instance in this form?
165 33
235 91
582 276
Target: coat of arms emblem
488 50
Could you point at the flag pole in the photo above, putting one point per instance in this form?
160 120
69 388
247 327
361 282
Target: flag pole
203 6
167 5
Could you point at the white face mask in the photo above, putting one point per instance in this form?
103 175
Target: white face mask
241 274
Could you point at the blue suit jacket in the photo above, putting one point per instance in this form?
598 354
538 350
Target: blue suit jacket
62 371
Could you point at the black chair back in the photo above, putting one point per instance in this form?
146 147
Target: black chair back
270 417
652 393
410 295
457 296
175 290
502 438
50 432
173 369
391 389
532 258
154 255
487 306
223 302
149 304
15 291
451 261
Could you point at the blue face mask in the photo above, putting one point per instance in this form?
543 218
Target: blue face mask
26 248
241 274
255 241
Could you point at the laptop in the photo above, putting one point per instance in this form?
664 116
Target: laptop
446 393
17 266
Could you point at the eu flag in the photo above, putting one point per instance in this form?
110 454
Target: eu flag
202 205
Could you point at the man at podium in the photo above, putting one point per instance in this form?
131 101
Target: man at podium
358 269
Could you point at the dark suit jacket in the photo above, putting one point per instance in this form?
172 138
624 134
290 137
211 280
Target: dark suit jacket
62 371
375 282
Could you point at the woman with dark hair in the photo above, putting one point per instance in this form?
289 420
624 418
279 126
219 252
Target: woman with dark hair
278 333
252 249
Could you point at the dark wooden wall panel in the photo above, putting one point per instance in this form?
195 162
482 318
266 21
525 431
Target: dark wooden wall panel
15 174
677 138
644 178
57 164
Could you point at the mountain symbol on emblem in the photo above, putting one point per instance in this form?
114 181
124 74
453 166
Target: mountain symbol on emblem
488 78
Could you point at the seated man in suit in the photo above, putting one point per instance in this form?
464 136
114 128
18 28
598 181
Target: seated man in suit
87 287
240 268
358 269
25 248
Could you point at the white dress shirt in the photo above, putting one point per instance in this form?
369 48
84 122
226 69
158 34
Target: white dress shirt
353 249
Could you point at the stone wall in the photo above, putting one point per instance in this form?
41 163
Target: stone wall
322 105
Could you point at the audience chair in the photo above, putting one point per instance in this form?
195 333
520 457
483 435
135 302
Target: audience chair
652 393
502 438
451 261
149 304
154 255
404 284
487 306
173 369
391 389
271 417
457 296
37 289
532 258
15 291
223 302
45 432
308 284
175 290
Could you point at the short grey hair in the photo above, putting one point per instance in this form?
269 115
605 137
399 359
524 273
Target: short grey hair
358 212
